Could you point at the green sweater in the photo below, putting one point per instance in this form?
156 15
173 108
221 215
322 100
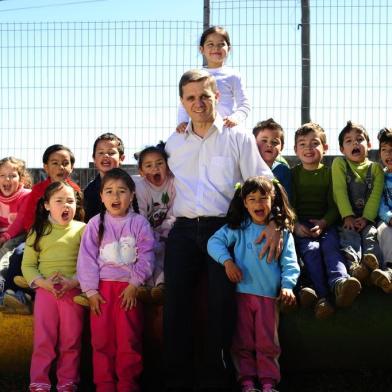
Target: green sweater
340 190
312 194
58 252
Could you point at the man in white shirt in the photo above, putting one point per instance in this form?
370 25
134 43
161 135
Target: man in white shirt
207 161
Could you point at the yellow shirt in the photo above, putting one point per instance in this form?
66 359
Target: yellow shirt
58 252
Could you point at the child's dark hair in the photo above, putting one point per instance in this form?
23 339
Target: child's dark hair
384 137
348 128
307 128
269 124
54 148
112 138
159 149
20 165
116 174
281 212
42 225
215 29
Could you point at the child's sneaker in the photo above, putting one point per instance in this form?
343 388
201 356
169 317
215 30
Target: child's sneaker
269 388
21 282
249 387
323 309
346 290
358 271
370 261
307 297
143 294
158 294
82 300
17 302
382 279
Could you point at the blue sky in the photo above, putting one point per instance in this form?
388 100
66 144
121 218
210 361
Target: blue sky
96 10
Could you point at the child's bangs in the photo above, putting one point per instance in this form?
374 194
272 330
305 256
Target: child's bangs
254 184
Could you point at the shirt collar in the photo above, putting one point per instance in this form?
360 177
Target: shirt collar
217 126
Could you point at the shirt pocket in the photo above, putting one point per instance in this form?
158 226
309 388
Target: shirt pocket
220 171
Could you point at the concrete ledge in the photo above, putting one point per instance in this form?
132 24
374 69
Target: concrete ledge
354 339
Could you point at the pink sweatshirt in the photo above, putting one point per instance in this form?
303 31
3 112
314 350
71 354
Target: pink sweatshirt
10 207
124 255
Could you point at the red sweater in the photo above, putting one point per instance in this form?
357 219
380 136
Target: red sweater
25 218
10 207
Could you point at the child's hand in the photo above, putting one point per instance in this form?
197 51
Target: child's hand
181 127
66 285
302 230
95 301
287 297
128 297
318 228
49 283
349 223
360 224
229 122
232 271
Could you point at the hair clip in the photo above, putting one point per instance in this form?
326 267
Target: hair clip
275 181
237 186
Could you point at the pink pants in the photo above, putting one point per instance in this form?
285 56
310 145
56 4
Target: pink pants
116 337
255 345
58 327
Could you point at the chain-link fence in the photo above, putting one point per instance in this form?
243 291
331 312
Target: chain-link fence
69 82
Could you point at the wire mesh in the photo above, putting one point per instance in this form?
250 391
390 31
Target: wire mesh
350 44
69 82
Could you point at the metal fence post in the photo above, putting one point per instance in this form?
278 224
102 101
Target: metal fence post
305 48
206 20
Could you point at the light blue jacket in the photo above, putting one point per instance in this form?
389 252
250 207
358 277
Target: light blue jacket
385 209
259 277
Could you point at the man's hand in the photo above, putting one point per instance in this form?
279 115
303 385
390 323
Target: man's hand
273 244
232 271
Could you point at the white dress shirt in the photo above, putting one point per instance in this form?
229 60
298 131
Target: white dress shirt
207 169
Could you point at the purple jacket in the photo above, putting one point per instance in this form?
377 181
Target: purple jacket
125 254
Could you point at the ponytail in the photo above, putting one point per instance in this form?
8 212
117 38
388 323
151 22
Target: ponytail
281 212
237 213
135 204
41 225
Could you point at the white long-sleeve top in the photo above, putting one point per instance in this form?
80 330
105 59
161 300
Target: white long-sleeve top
233 99
207 169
